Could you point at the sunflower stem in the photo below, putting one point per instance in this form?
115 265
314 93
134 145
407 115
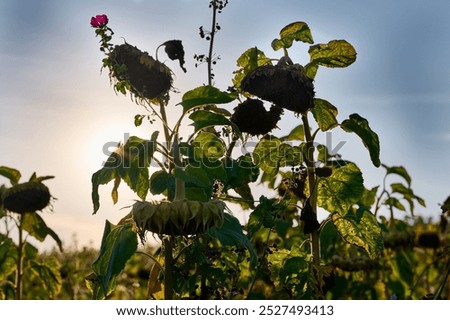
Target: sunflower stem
19 273
168 268
309 160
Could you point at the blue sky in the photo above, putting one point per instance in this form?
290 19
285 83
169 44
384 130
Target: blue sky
57 109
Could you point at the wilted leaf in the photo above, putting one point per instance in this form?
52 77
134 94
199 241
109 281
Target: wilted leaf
138 119
130 163
360 229
334 54
296 31
12 174
360 126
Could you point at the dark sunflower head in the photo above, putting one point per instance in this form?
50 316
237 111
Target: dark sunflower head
147 77
251 117
284 85
26 197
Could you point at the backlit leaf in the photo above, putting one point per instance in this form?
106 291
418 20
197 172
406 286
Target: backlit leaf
231 234
37 228
8 257
298 133
249 60
119 243
325 114
341 190
129 163
205 95
270 154
296 31
10 173
208 145
394 202
203 119
334 54
398 170
360 229
360 126
48 275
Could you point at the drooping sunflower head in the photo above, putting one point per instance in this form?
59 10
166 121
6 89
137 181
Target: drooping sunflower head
26 197
147 77
251 117
285 85
180 217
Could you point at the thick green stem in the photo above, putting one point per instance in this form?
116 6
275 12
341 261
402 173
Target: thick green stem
19 273
168 268
180 193
309 160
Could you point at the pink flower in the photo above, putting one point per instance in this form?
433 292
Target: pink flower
99 21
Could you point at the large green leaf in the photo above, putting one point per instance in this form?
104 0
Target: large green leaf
129 163
12 174
360 229
119 243
207 145
341 190
270 154
261 217
160 181
357 124
296 31
204 118
240 172
298 133
8 257
231 234
249 60
325 114
48 274
334 54
205 95
37 228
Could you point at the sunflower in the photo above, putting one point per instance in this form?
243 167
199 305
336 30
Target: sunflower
284 84
250 116
26 197
148 78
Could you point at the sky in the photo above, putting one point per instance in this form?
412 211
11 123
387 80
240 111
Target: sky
58 111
